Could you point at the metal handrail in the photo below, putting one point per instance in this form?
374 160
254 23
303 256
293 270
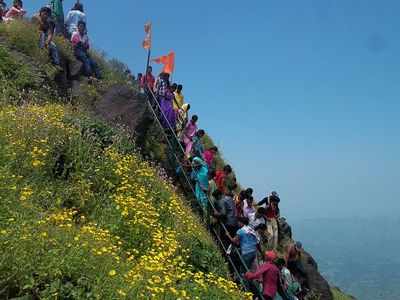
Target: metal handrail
188 182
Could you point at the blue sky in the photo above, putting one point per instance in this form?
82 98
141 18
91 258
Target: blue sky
302 96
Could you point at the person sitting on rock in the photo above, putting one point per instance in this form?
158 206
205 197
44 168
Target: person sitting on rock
3 10
269 273
46 33
80 43
15 12
58 16
75 15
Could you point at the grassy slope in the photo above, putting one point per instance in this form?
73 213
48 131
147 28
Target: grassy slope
82 216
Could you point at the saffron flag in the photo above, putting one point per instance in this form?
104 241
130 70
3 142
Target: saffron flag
147 39
168 61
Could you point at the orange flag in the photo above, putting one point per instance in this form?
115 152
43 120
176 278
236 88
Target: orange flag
147 39
168 61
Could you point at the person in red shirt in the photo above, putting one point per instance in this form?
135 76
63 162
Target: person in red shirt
272 215
148 79
270 276
220 178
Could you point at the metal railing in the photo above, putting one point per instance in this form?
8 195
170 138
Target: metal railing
153 105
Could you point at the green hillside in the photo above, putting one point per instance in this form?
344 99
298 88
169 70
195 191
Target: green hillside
82 215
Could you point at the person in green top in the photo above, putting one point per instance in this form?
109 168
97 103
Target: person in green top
58 16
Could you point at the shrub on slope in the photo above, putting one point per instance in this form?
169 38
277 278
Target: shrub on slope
83 217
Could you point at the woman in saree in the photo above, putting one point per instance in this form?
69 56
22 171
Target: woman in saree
165 98
200 176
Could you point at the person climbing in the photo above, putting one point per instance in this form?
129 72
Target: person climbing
198 148
15 12
74 16
221 178
80 43
179 98
188 134
148 79
182 118
272 215
57 10
247 239
249 211
46 33
165 98
200 177
270 276
294 264
288 287
259 217
209 157
228 215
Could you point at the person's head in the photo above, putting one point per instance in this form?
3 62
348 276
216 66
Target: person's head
214 150
44 13
217 194
298 246
19 3
197 163
200 133
195 118
139 76
280 263
270 256
173 87
227 169
179 88
261 228
149 69
261 211
78 6
243 221
211 174
81 27
249 192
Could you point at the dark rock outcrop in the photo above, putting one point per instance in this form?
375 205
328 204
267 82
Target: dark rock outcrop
122 105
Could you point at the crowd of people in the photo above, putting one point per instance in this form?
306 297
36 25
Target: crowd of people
251 226
50 22
241 221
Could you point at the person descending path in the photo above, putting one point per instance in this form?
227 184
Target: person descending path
209 157
75 15
247 239
46 33
57 10
198 148
200 176
294 264
80 42
15 12
221 178
188 134
179 98
182 118
165 98
272 215
269 273
288 287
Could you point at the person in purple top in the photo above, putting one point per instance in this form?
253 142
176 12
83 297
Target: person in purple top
188 134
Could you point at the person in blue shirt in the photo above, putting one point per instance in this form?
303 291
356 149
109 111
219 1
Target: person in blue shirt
200 177
198 148
248 241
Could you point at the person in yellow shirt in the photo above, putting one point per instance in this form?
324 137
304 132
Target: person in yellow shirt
179 98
